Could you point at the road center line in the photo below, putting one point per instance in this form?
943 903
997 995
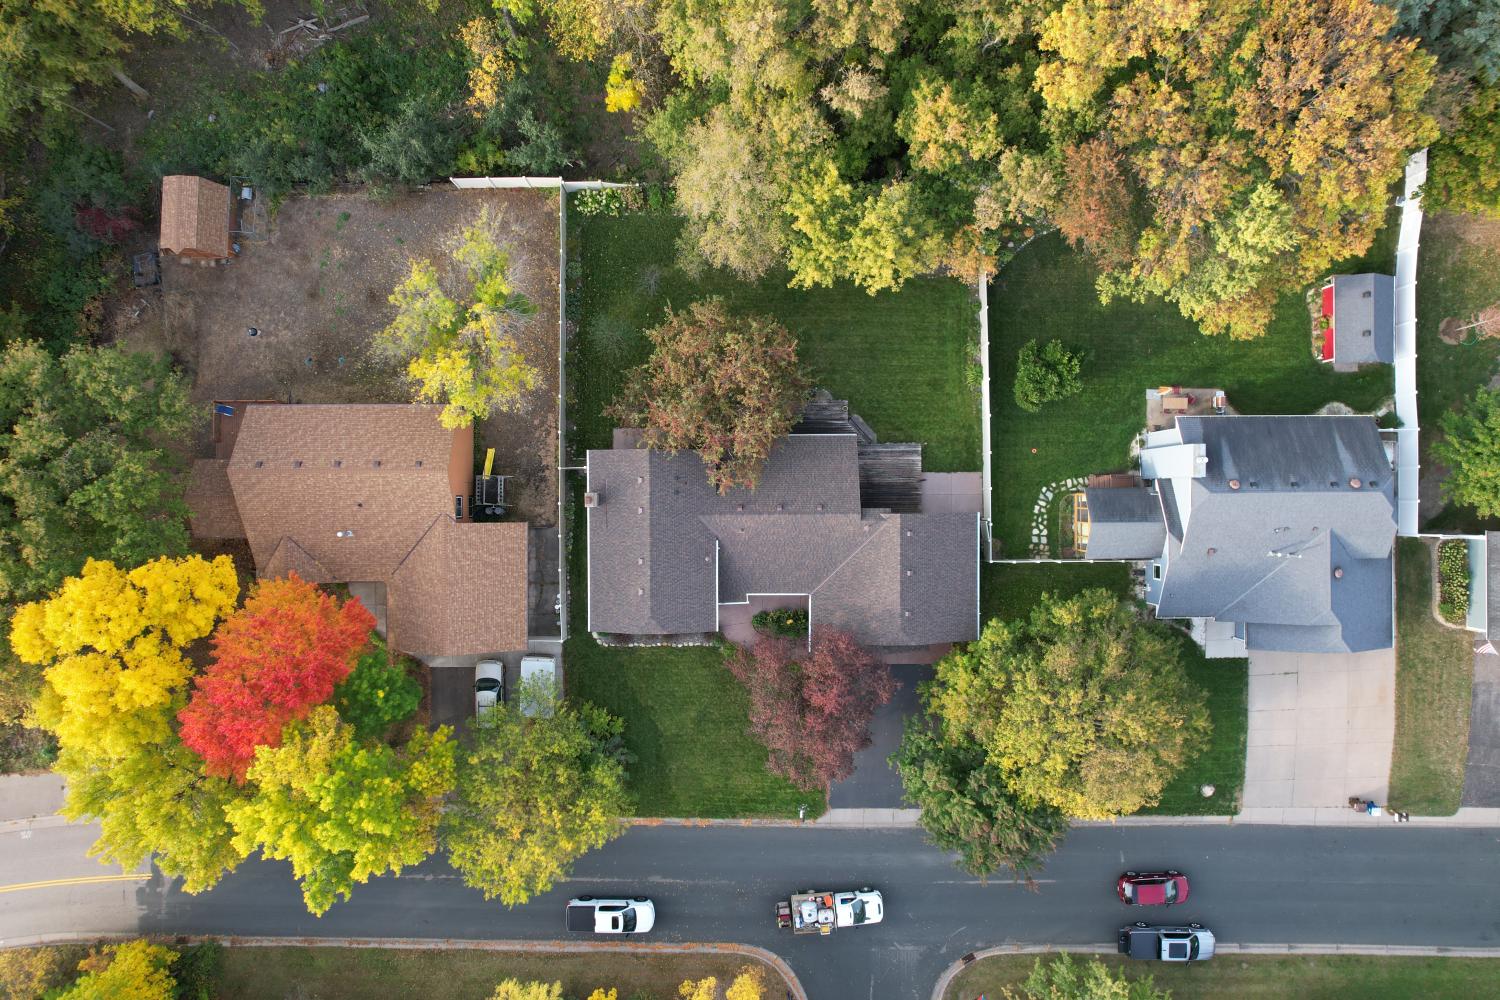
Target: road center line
79 880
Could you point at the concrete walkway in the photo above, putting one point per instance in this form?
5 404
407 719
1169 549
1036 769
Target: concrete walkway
1321 730
29 796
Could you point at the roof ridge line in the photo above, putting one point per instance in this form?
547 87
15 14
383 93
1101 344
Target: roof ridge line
845 561
417 544
1284 562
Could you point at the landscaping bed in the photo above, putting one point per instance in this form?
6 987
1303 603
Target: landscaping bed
1048 292
1265 977
1434 681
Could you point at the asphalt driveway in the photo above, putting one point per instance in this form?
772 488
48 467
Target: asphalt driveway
874 783
1482 773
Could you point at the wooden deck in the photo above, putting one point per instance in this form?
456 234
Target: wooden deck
825 415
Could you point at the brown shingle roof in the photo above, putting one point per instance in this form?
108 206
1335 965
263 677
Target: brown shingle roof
194 216
462 590
290 558
211 509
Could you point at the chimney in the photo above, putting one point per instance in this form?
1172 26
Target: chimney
592 499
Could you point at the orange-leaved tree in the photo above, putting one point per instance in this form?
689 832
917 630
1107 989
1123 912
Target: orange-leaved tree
275 659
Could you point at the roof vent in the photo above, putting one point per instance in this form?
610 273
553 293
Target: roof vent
1234 484
781 506
1253 484
375 464
1338 572
1354 483
640 479
338 463
419 463
739 507
591 499
1292 482
906 614
1366 293
345 533
640 592
1211 551
640 560
1366 333
259 463
296 463
908 572
640 510
820 507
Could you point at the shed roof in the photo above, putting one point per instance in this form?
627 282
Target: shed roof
1364 319
1125 522
194 216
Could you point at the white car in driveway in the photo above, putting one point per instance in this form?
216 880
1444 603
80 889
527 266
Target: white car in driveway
489 687
611 916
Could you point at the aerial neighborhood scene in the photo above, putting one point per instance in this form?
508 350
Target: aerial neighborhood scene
744 499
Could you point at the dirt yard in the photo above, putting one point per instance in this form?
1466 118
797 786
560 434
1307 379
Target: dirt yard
315 289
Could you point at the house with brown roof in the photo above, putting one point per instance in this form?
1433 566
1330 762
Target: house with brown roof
195 218
670 558
377 493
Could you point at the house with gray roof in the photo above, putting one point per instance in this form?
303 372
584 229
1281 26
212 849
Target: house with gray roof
667 553
1270 533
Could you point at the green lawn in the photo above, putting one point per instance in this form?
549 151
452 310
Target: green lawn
1434 682
1048 292
361 973
899 358
1262 977
1011 590
1458 272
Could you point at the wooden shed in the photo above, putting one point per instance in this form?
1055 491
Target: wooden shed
195 217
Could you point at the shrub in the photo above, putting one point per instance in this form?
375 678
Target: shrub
378 693
788 622
1045 373
197 971
1453 581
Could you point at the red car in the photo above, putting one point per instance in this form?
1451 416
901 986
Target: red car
1152 888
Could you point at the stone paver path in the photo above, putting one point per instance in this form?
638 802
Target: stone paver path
1321 730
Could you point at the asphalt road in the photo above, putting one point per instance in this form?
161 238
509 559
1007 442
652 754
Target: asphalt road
1250 884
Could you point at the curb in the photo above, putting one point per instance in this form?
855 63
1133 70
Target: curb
778 965
1220 948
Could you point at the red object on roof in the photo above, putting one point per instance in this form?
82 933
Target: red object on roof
1328 299
1328 344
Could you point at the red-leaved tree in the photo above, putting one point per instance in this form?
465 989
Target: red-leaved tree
274 660
1094 212
812 709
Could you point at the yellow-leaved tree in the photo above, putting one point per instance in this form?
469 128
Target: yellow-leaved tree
135 970
111 643
749 984
514 989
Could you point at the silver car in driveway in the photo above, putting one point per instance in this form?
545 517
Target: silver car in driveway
489 687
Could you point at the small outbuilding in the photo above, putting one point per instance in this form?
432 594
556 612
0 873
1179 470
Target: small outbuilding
1359 310
195 217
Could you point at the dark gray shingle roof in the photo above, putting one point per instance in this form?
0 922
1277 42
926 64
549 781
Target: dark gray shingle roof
1295 552
906 579
1364 319
1125 522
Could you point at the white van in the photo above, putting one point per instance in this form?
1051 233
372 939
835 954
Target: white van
538 688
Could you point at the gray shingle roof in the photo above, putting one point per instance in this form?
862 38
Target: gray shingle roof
663 546
1364 319
1125 522
1295 552
1492 583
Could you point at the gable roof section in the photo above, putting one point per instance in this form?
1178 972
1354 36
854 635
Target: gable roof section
1364 322
664 548
194 216
1295 546
1125 522
461 590
289 558
312 472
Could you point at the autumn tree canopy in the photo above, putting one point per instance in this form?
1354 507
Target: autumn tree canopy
534 794
115 675
812 708
462 355
274 659
725 386
132 970
342 811
1082 707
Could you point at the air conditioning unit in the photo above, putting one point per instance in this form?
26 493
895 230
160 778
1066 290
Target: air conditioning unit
591 500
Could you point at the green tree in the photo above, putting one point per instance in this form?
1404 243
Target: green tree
378 693
341 811
1046 372
414 145
1463 166
1082 707
727 387
87 467
135 970
1060 977
967 807
465 357
534 794
1470 447
1463 34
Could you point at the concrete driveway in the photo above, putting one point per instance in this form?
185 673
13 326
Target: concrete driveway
1321 730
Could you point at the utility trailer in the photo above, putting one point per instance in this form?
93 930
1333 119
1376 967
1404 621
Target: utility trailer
817 911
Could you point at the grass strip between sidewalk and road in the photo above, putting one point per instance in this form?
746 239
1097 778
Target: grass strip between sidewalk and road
1267 977
1434 685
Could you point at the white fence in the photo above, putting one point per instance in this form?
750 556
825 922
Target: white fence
537 183
984 413
1408 467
